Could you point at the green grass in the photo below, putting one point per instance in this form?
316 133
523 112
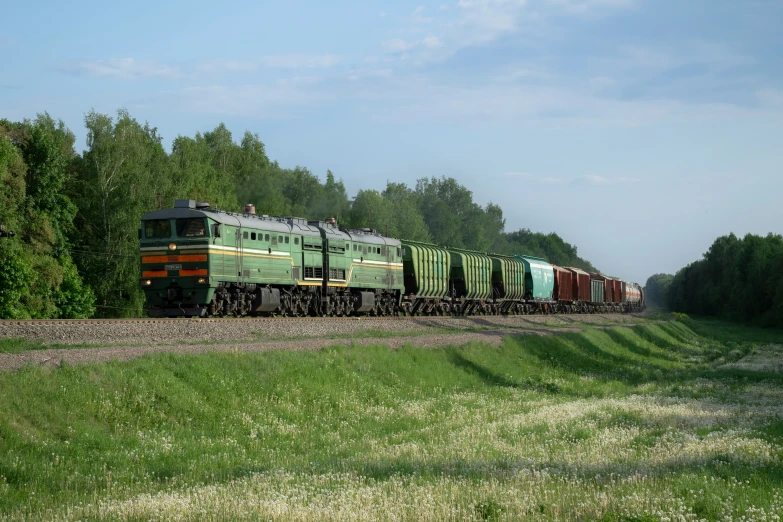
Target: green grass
12 345
627 423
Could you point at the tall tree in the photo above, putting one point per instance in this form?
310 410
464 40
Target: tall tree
122 174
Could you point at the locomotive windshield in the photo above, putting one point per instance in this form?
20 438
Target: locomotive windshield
191 227
159 228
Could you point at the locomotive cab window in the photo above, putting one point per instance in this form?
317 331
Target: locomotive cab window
193 227
286 240
159 228
296 240
244 235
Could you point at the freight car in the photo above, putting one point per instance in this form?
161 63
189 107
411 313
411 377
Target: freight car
197 262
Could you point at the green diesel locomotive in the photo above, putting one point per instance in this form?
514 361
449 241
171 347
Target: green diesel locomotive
199 262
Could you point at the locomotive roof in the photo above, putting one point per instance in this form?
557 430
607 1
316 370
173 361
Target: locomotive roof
276 224
357 235
366 235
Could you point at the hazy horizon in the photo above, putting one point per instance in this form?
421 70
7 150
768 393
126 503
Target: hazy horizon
638 131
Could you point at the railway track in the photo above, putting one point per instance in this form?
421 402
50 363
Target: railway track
180 320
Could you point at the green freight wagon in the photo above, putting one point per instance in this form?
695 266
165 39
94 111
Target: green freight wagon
539 279
597 292
471 281
426 270
508 282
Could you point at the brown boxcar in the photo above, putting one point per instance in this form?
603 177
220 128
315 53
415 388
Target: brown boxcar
617 291
564 286
608 287
581 281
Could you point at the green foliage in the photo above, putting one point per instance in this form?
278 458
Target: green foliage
121 176
73 299
656 290
737 279
548 246
16 276
37 274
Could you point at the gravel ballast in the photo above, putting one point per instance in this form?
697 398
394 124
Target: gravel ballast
197 331
131 340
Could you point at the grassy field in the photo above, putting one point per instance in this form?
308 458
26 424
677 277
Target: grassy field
675 421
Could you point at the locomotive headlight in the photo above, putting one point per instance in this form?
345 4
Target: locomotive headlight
146 282
172 246
202 280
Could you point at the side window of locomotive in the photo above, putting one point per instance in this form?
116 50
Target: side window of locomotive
253 236
296 240
157 229
192 227
266 237
244 235
286 240
279 239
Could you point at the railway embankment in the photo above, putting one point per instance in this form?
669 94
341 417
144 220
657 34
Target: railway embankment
53 343
644 421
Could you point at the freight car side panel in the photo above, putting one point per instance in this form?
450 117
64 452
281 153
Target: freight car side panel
539 278
564 286
471 274
597 291
426 269
508 277
581 282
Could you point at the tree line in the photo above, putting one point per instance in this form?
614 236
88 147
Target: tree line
736 279
75 252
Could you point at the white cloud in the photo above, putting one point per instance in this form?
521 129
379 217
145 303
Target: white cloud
287 61
418 18
771 97
480 22
580 180
398 45
359 74
600 180
123 69
584 6
274 100
431 41
300 61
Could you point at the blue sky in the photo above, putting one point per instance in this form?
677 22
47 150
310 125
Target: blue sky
638 130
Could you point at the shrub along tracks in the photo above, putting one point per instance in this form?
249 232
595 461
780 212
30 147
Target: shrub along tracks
128 339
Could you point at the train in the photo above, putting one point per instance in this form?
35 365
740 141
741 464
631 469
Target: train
197 261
